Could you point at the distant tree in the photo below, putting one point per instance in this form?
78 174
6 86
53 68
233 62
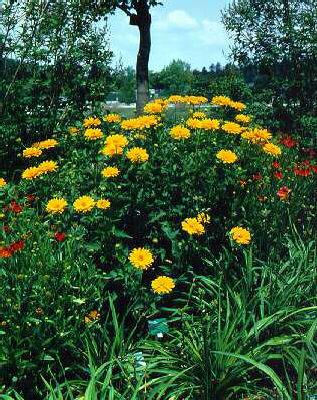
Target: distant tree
125 84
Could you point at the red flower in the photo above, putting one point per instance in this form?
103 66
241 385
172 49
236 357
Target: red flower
5 252
256 177
288 141
314 168
276 164
30 197
15 207
6 228
278 174
283 192
302 171
16 246
59 236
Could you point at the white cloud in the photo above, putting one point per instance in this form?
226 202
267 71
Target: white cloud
212 32
178 19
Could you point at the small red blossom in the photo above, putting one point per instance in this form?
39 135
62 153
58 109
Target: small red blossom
30 197
278 174
283 192
288 141
314 168
257 177
6 228
302 171
16 246
276 164
5 252
15 207
59 236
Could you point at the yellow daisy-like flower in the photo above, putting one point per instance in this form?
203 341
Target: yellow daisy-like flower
199 115
46 144
143 122
110 172
56 205
2 182
73 130
137 155
92 316
31 173
237 105
179 132
31 152
240 235
272 149
209 124
244 119
154 107
232 127
47 166
84 204
221 101
176 99
195 100
111 150
103 204
117 140
93 133
141 258
162 285
203 218
91 121
192 226
193 123
227 156
257 135
112 118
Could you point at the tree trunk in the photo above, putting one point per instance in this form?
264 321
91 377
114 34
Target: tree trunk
143 21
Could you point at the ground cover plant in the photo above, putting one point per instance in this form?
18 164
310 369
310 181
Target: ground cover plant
192 212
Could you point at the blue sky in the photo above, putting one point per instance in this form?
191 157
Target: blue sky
190 30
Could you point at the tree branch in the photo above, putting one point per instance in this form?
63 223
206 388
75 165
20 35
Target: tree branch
125 9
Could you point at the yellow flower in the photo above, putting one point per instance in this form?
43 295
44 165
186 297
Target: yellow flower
92 316
137 155
45 144
193 123
272 149
227 156
221 101
111 150
47 166
154 107
117 140
244 119
93 133
141 258
91 121
209 124
237 105
203 218
195 100
112 118
2 182
143 122
257 135
176 99
56 205
179 132
73 130
110 172
84 204
103 204
31 173
240 235
31 152
192 226
162 285
199 114
232 127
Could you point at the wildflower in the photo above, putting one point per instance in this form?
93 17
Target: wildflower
56 205
237 105
240 235
232 127
242 182
276 164
45 144
283 192
47 166
31 152
195 100
93 133
199 114
91 121
302 171
110 172
141 258
288 141
15 207
203 218
179 132
209 124
112 118
16 246
137 155
242 118
103 204
221 101
257 177
278 174
2 182
154 107
272 149
193 227
162 285
5 252
84 204
193 123
31 173
227 156
143 122
116 140
59 236
256 135
111 149
73 130
92 316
